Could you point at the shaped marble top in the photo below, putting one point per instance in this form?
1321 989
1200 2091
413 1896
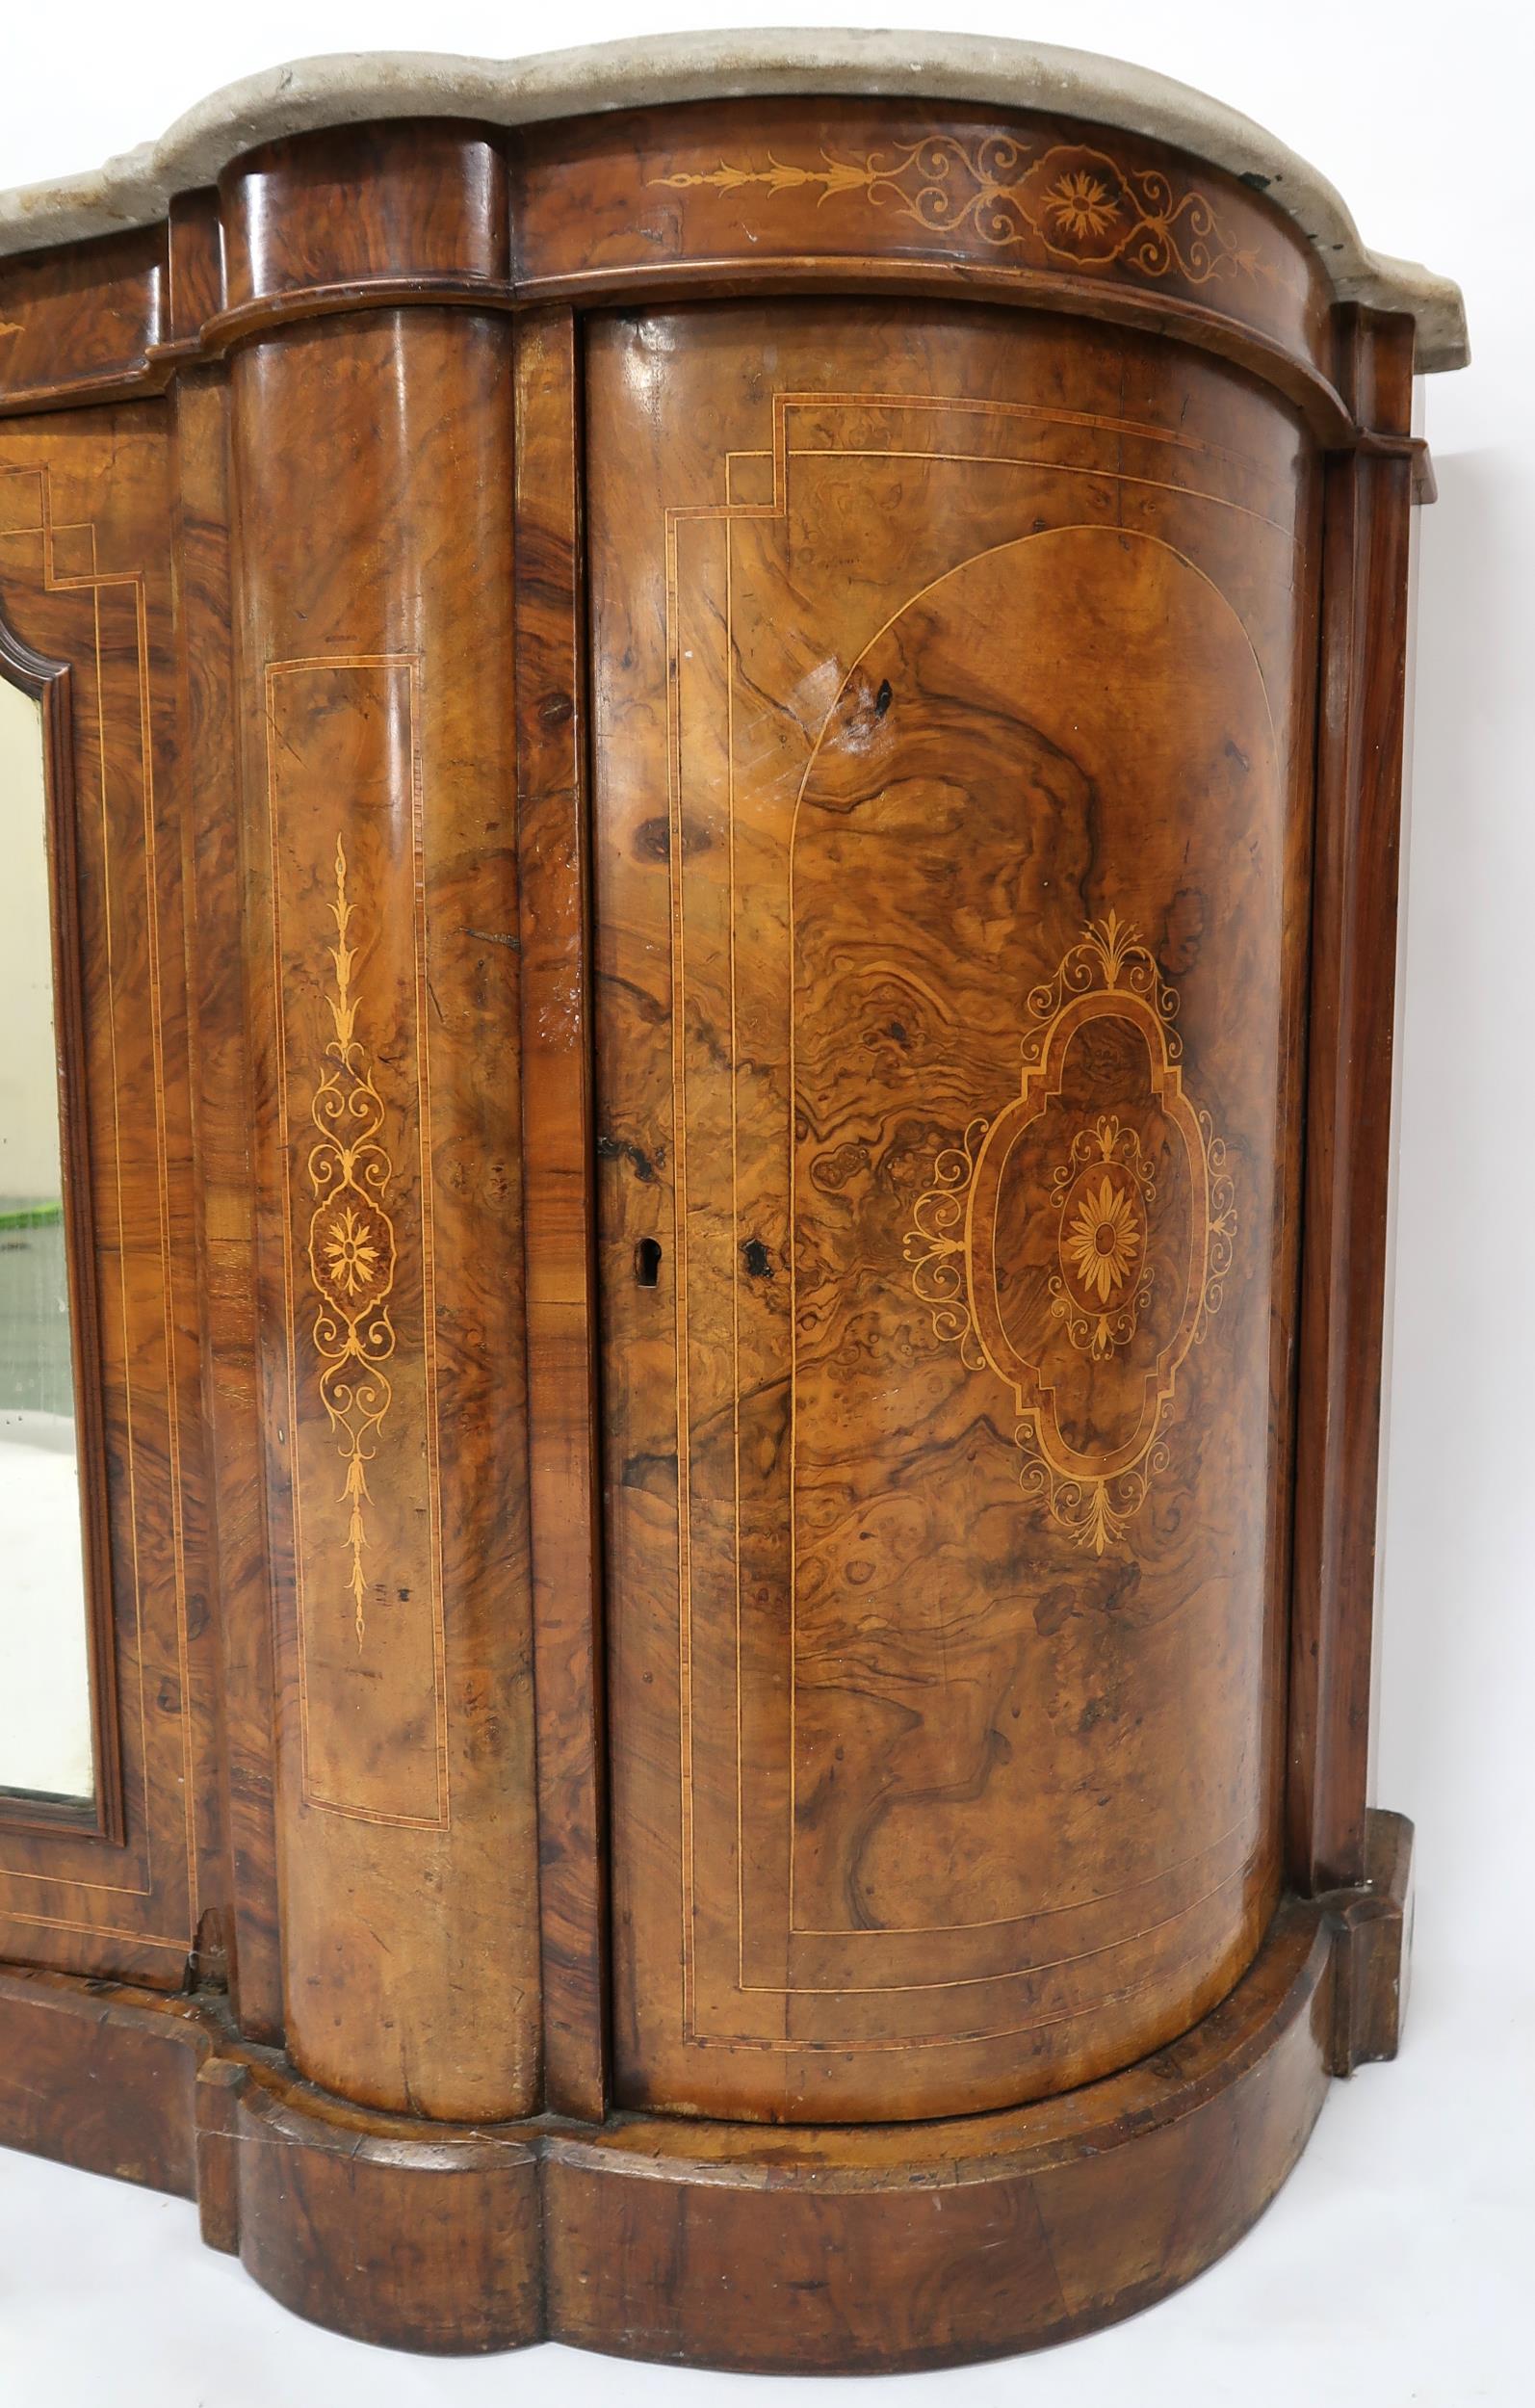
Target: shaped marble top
349 88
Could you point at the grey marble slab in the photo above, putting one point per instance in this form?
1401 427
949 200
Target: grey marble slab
348 88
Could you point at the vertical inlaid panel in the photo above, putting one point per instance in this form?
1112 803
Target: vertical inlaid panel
952 832
360 1307
383 957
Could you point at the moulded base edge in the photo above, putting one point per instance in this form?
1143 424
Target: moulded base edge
813 2250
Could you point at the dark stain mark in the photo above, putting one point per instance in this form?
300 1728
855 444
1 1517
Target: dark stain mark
1185 932
496 936
618 1150
1255 182
1235 753
555 709
655 1472
754 1254
1100 1588
993 1749
653 841
1054 1609
883 698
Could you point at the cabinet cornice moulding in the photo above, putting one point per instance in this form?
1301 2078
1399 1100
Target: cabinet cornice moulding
351 87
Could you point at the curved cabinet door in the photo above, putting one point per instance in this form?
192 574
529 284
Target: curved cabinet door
954 714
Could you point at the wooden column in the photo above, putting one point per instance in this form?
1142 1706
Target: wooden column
374 482
1367 517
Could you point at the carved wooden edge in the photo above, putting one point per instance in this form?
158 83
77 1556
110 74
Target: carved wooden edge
426 233
753 2247
102 1816
1352 1005
155 364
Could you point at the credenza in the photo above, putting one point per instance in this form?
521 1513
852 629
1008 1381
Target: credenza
702 746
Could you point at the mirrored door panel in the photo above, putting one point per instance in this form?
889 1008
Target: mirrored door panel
45 1691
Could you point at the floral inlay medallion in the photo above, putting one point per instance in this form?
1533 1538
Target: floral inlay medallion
1076 1244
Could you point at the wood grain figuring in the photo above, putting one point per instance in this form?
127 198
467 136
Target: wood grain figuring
423 200
457 2270
558 1138
195 268
890 1663
84 319
378 773
84 580
135 2056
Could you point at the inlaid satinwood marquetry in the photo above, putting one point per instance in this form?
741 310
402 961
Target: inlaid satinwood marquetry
723 782
1071 201
359 1259
1094 1218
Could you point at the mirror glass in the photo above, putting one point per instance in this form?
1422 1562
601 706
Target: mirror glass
46 1743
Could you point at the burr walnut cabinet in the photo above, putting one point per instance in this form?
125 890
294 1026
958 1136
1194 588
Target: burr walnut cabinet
711 736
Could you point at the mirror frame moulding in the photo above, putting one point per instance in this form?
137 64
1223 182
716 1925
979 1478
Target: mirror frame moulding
102 1814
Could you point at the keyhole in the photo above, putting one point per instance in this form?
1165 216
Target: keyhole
647 1262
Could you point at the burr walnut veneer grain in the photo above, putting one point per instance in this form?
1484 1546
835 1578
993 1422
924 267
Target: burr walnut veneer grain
724 791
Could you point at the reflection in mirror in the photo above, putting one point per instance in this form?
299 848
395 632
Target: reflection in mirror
46 1743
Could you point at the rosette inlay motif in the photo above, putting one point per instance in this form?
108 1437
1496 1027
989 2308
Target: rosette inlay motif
352 1243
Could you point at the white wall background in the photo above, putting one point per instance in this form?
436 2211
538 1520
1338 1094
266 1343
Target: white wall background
1394 2269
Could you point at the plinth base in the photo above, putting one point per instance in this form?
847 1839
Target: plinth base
759 2248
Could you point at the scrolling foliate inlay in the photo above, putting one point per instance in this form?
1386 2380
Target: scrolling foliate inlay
1076 1244
1082 205
352 1243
